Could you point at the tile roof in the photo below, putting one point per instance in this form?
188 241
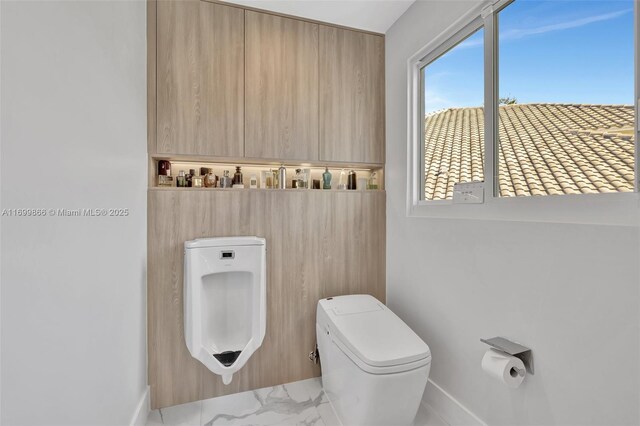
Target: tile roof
544 149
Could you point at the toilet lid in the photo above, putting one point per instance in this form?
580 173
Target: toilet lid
372 332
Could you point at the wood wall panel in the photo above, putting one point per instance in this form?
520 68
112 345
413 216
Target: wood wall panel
281 88
319 244
200 78
351 96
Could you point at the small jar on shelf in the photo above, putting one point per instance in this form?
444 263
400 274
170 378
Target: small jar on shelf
210 180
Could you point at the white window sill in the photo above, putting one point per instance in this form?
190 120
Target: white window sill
617 209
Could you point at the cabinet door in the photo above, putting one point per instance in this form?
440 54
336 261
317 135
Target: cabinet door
200 78
351 96
281 88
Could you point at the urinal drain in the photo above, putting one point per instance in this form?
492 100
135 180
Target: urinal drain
227 358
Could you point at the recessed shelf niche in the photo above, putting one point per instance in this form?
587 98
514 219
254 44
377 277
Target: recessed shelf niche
260 171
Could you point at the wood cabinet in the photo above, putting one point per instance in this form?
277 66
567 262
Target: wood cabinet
351 96
281 88
200 79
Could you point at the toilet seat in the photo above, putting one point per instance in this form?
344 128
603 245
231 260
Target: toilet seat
372 336
391 369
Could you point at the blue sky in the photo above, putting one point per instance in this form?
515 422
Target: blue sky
553 51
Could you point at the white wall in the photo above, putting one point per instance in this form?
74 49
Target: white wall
570 292
73 136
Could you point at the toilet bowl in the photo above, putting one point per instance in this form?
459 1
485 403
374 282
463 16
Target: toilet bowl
225 312
374 367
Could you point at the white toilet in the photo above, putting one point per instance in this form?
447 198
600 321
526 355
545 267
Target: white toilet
374 367
225 313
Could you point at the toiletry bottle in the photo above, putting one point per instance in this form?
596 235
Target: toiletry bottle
373 181
282 177
237 177
164 168
182 180
351 181
210 179
253 181
299 180
164 173
341 184
326 179
197 181
190 177
225 180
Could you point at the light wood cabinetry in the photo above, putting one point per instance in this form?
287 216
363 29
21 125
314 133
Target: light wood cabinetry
351 96
200 79
319 244
281 88
232 85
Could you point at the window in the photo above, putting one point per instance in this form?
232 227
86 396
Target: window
453 98
533 97
566 108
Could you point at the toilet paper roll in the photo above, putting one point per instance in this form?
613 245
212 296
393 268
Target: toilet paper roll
504 367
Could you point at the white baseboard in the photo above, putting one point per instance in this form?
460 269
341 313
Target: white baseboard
447 407
141 414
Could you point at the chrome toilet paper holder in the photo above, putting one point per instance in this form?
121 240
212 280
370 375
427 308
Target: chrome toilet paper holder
513 349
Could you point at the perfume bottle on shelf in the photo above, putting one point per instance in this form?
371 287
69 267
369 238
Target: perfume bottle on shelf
225 180
181 181
253 181
351 180
373 181
197 181
164 173
341 184
210 180
326 179
190 177
298 182
237 177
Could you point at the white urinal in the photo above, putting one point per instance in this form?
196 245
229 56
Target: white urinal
225 314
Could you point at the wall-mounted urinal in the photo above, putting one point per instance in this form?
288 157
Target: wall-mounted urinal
225 314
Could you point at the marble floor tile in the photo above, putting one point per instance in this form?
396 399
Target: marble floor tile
300 403
178 415
289 404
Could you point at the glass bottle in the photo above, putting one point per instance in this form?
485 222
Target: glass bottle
326 179
373 181
237 177
341 184
351 180
182 180
225 180
197 181
299 180
253 181
210 179
164 173
190 177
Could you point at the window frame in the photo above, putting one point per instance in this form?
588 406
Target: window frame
601 208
